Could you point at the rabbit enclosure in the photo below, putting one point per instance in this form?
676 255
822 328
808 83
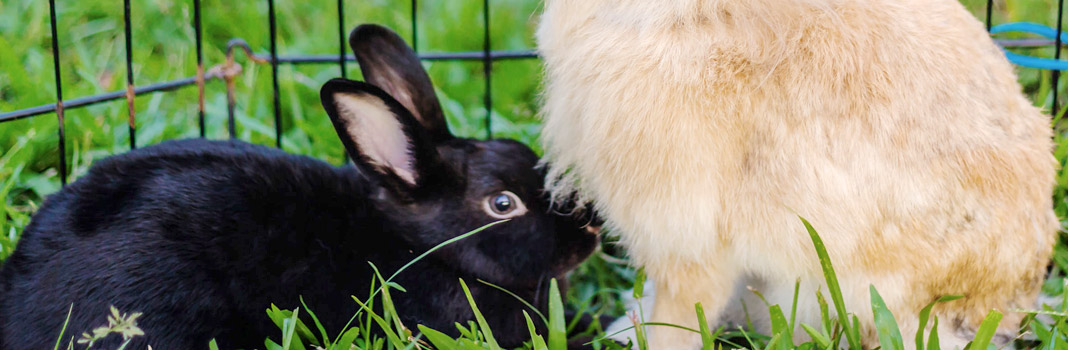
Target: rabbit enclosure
81 80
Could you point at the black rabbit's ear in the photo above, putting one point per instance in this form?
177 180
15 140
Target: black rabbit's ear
379 134
387 62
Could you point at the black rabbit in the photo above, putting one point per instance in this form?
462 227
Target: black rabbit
202 236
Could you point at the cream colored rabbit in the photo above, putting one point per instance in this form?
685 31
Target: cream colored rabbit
701 129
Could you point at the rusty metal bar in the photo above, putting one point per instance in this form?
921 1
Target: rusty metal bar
95 99
129 76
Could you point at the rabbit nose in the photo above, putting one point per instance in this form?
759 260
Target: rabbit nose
595 224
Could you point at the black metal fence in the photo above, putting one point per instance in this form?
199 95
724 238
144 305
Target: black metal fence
228 70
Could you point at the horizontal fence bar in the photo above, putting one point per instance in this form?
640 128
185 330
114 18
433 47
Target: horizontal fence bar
443 56
95 99
333 59
175 84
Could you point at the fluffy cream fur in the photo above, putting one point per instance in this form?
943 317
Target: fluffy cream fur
701 129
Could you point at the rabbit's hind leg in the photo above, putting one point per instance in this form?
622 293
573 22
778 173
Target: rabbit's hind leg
677 293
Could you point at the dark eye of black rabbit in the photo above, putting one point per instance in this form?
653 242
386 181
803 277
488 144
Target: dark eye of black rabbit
504 205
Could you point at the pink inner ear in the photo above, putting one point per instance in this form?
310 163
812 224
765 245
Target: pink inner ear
377 133
395 90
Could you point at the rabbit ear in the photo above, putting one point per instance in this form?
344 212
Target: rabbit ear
379 134
387 62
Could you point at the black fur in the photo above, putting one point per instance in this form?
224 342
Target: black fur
202 236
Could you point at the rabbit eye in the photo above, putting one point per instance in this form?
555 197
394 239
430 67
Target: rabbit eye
504 205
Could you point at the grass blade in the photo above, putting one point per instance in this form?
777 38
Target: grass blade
557 325
271 345
537 342
793 307
932 340
852 336
289 331
774 342
780 327
482 324
820 339
925 314
639 319
64 329
639 283
749 323
346 340
438 339
658 324
280 317
855 328
386 284
885 323
319 325
824 313
544 320
708 342
388 309
750 340
986 331
382 323
441 245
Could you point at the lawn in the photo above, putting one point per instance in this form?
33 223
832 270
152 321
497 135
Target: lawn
92 59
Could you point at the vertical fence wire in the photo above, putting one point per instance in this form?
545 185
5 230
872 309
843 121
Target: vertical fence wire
200 67
274 75
487 67
1055 74
341 37
341 51
231 104
129 75
415 26
59 95
989 14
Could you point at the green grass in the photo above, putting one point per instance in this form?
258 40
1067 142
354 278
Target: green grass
92 43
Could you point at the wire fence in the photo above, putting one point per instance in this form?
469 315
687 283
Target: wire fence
229 70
